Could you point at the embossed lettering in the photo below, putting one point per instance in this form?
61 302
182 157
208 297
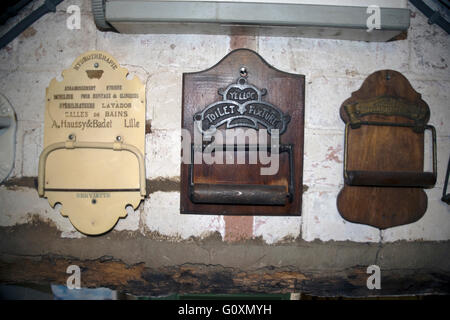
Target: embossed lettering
241 106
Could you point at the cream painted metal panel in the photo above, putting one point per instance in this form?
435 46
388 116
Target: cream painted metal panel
94 143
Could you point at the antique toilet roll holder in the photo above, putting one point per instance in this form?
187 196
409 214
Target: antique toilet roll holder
94 143
385 124
385 121
242 91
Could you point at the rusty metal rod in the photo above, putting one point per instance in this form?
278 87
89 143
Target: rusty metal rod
239 194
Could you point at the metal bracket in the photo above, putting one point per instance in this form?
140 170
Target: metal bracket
71 143
8 126
435 11
445 195
46 7
390 178
246 194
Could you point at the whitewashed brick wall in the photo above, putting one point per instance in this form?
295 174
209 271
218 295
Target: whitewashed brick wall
333 70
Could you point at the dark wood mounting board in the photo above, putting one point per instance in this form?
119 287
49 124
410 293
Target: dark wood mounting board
283 90
385 153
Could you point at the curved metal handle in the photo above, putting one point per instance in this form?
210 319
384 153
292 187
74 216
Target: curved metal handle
445 195
71 144
390 178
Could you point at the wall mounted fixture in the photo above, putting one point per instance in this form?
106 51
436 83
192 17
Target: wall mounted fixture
385 125
8 128
94 143
445 195
240 98
333 19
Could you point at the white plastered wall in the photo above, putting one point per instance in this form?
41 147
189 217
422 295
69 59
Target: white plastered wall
333 70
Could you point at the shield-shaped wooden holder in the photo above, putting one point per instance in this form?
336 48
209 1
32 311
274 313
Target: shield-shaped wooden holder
385 121
94 143
242 92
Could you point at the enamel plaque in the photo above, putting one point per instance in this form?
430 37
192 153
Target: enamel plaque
94 143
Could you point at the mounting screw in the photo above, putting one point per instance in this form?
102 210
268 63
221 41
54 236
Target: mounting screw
96 65
71 136
243 72
118 138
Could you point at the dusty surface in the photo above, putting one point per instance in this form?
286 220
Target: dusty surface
333 69
144 264
156 250
22 182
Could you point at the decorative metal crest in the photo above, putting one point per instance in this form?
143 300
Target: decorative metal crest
241 106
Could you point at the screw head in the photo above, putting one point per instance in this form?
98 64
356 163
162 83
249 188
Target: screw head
243 72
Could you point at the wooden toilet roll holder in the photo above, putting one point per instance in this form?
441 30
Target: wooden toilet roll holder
385 121
243 91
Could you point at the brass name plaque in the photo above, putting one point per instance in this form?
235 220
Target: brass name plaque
94 143
387 106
